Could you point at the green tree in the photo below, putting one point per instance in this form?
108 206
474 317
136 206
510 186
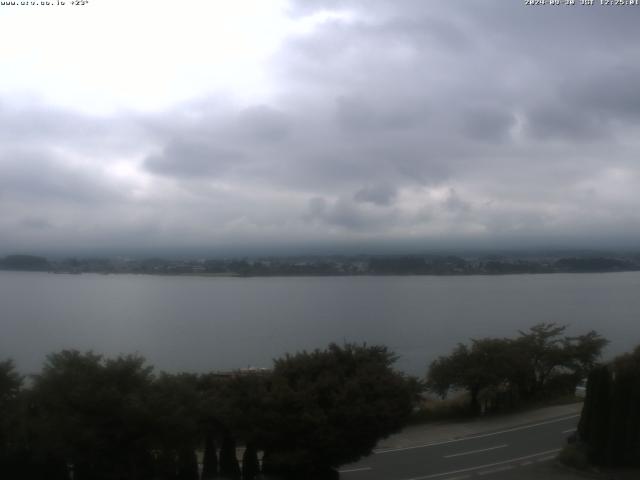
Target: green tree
594 428
625 419
10 382
250 463
486 364
583 352
542 347
174 404
93 413
187 464
609 426
540 362
229 466
11 446
444 371
236 404
167 464
114 419
548 355
330 407
210 458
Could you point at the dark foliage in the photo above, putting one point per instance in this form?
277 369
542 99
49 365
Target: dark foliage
111 419
187 465
250 464
229 466
609 425
210 458
94 413
500 372
398 265
330 407
593 264
24 262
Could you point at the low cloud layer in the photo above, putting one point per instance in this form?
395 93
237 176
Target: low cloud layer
413 123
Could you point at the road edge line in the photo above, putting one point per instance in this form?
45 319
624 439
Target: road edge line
472 437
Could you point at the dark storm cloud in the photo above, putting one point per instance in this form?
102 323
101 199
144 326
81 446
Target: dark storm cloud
484 119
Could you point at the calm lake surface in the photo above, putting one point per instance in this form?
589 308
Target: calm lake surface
205 323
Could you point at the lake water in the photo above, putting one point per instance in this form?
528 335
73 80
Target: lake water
205 323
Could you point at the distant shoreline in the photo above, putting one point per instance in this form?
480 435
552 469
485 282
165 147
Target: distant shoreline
332 266
306 275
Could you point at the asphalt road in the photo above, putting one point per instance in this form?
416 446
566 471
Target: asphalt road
490 455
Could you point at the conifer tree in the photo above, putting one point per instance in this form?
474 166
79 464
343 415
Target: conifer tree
610 421
600 420
210 458
187 464
229 467
250 464
585 425
167 465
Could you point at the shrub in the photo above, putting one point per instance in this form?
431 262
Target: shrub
574 456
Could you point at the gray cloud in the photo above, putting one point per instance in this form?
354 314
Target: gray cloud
32 124
191 159
349 215
380 194
488 124
612 92
36 223
455 204
417 120
37 175
263 123
356 115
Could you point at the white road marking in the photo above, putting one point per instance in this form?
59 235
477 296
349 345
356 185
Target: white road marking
349 470
473 437
476 451
488 465
546 459
569 430
496 470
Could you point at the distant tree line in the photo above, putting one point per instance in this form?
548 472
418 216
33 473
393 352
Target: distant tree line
324 266
88 417
24 262
609 428
499 373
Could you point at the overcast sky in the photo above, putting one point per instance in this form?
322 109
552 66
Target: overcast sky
153 124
